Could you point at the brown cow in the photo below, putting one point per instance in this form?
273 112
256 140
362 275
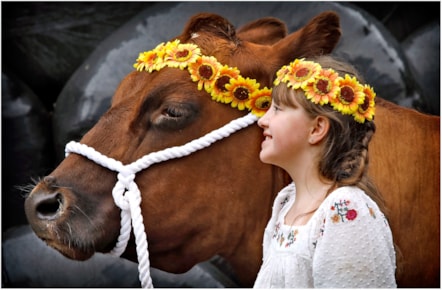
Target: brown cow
218 200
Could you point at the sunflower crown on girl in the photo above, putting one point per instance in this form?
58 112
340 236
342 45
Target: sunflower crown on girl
324 86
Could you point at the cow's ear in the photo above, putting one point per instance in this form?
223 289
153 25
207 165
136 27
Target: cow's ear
267 31
320 36
211 23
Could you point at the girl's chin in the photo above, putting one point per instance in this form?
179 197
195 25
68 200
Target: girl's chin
269 159
264 158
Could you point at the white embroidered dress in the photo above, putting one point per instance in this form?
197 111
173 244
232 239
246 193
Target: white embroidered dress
346 243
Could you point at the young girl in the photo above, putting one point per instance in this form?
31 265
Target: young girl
327 228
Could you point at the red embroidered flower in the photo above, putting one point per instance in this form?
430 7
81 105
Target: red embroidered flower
351 214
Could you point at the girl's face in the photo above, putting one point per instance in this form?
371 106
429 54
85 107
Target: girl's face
286 131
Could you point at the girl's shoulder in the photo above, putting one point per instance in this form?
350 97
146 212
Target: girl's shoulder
349 203
284 196
348 193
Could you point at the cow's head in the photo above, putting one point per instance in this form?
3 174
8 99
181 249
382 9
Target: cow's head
194 207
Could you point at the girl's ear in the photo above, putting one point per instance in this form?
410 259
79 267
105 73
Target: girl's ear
319 130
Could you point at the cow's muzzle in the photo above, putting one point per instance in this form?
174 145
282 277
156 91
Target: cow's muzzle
46 203
47 210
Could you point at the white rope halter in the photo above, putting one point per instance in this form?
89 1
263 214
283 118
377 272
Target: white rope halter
127 196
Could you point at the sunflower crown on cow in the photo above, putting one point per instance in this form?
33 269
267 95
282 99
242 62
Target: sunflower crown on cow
223 83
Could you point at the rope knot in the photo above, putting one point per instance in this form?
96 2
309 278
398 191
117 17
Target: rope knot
126 178
121 189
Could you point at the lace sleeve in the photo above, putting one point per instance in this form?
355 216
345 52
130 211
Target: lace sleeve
355 247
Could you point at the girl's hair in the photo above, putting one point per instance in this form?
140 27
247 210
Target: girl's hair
344 159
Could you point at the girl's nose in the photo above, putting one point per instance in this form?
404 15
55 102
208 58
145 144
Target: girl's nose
263 121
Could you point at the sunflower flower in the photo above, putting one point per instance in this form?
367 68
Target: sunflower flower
220 92
349 97
323 88
151 60
366 110
240 90
204 71
180 56
148 61
260 101
301 73
281 75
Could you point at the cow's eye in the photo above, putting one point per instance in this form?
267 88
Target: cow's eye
175 116
172 112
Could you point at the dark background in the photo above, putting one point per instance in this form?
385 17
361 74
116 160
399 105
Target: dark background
44 42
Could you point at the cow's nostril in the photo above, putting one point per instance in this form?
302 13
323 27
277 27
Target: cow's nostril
50 207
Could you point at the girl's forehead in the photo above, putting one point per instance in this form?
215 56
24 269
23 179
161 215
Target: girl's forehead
287 96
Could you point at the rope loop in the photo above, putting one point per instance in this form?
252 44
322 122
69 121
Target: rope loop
118 193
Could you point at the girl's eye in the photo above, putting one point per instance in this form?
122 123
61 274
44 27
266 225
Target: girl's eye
276 107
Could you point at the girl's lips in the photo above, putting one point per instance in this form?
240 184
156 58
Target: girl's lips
267 136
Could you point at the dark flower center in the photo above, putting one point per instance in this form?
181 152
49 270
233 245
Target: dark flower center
364 106
241 93
221 83
322 86
347 94
205 71
182 53
264 105
302 72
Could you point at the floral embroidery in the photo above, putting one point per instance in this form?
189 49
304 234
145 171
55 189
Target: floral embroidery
291 238
281 237
320 234
321 230
284 201
371 211
278 234
343 212
351 214
385 221
277 228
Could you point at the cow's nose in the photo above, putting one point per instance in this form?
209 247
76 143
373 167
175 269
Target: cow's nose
45 202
